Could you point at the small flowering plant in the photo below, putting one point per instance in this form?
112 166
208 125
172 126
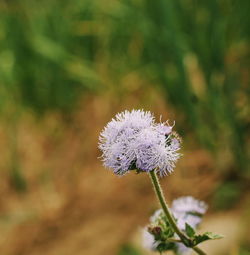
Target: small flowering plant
133 141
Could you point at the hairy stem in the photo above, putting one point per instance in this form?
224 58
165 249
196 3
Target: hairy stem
158 190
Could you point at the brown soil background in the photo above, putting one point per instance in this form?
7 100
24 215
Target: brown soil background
75 206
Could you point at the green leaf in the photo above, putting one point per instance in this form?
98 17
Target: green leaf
189 230
200 238
206 236
213 236
165 246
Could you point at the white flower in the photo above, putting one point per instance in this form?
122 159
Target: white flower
132 140
155 150
117 139
188 210
148 241
158 214
185 210
182 249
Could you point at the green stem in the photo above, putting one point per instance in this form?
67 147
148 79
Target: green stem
198 250
164 205
172 240
184 238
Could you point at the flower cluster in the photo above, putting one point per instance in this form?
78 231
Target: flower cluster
159 234
188 210
134 141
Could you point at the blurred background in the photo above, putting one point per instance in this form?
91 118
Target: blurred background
66 67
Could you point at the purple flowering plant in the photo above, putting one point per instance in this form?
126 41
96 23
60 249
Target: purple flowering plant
133 141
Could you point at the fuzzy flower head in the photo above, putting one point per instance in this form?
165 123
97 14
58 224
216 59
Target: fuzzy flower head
156 150
132 140
188 210
117 139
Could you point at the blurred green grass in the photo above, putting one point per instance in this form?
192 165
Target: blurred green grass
197 52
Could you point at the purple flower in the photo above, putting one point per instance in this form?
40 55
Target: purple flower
188 210
158 215
185 210
154 150
164 129
182 249
148 241
117 139
132 140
